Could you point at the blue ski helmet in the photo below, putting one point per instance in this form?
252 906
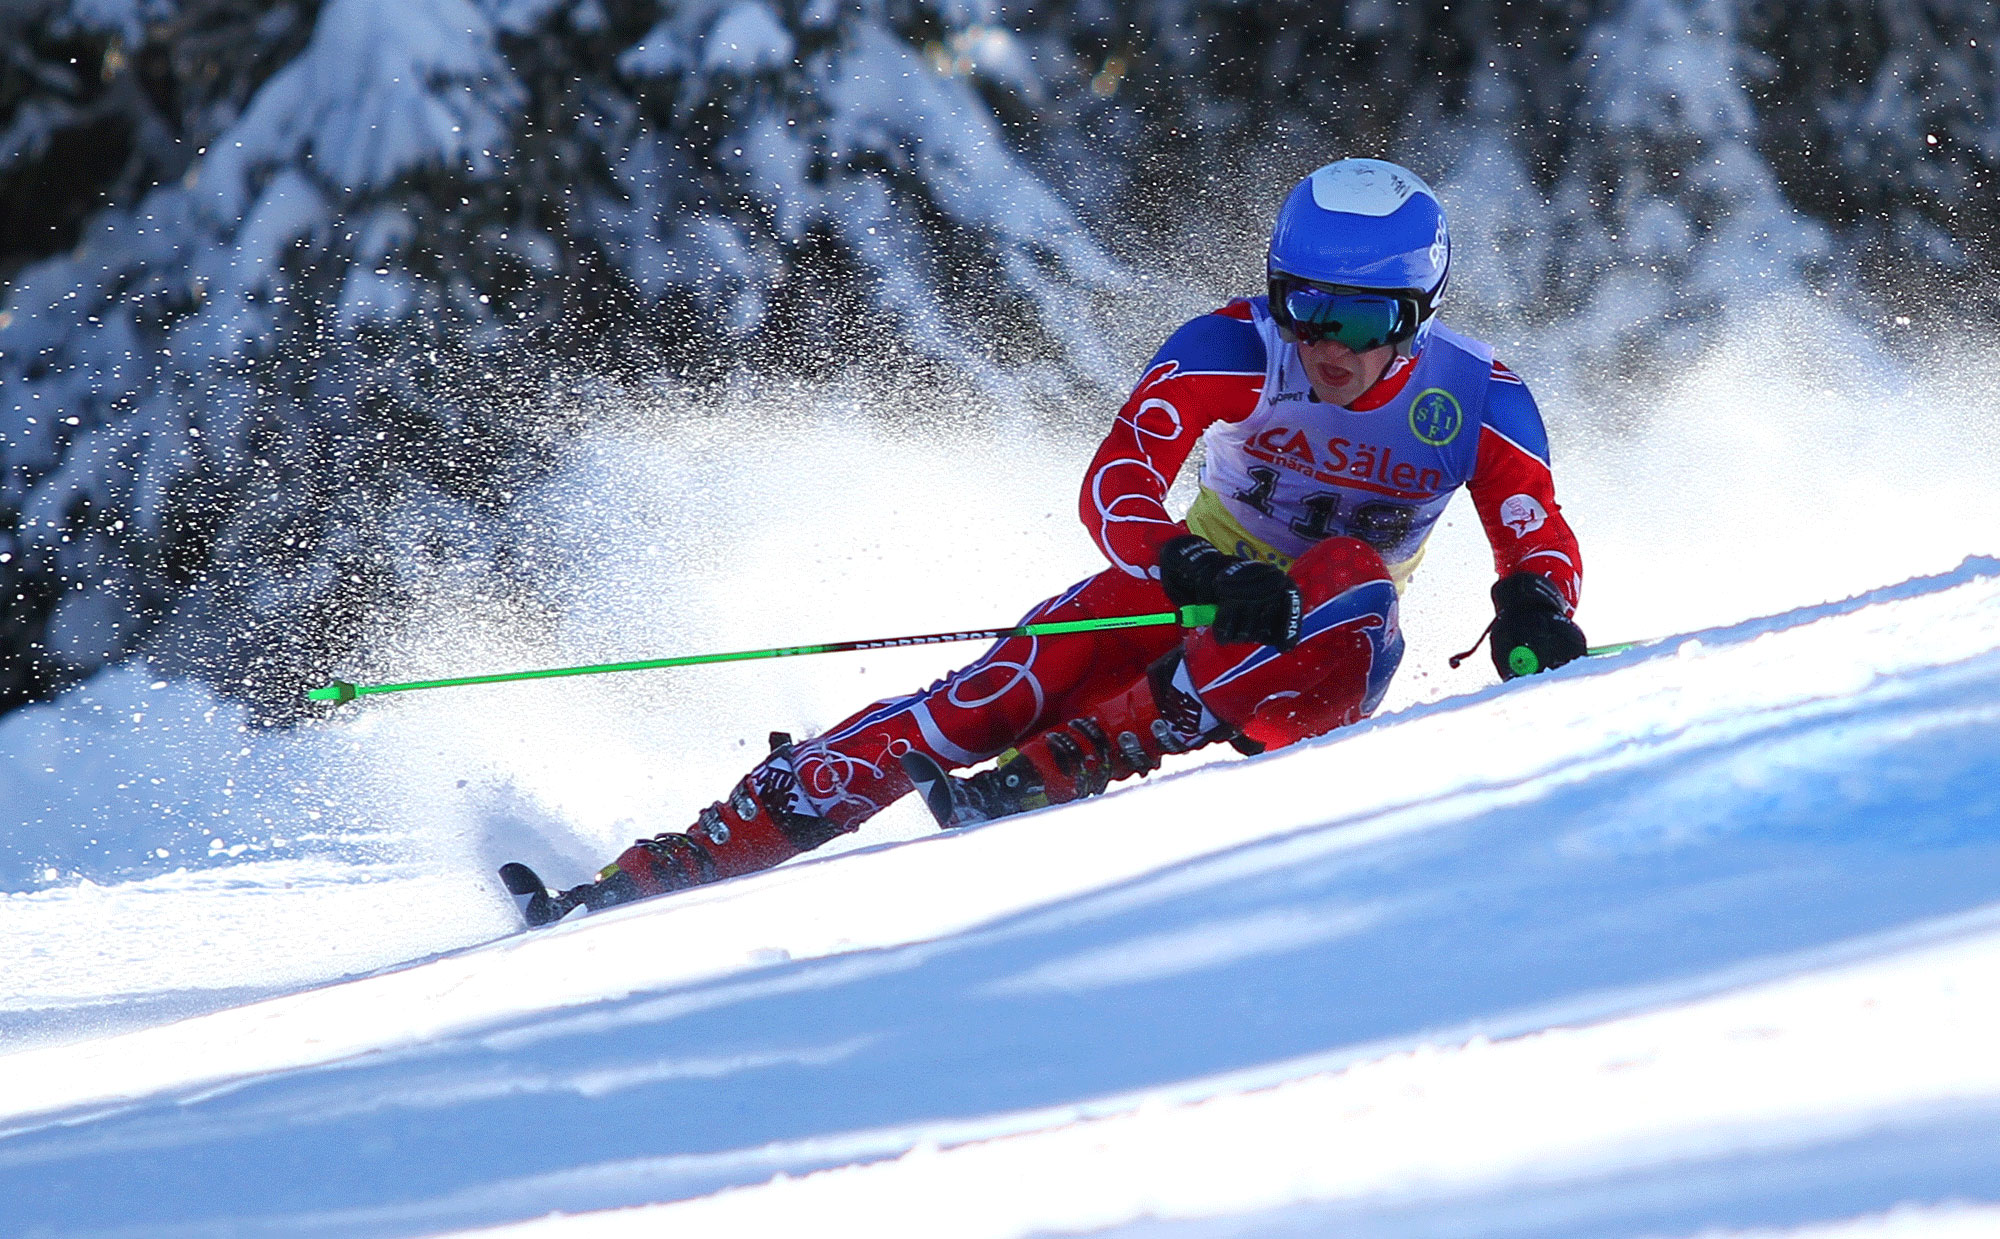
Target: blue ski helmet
1360 254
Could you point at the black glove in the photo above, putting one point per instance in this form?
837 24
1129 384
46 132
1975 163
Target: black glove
1530 630
1254 601
1189 565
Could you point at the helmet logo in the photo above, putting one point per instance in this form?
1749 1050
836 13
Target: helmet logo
1436 416
1441 246
1363 187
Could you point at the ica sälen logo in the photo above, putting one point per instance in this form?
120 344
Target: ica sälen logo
1435 416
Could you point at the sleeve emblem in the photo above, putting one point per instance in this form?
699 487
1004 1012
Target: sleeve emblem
1522 514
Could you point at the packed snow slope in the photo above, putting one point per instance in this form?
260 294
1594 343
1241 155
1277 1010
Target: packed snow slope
1699 938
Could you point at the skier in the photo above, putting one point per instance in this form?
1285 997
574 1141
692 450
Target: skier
1339 417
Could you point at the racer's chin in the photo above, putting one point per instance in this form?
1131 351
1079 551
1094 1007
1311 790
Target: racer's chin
1338 374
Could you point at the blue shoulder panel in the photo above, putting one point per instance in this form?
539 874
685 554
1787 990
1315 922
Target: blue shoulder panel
1511 410
1214 344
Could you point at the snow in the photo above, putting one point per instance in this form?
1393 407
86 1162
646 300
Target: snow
382 89
664 49
127 17
201 385
1406 1143
747 37
1696 940
1691 940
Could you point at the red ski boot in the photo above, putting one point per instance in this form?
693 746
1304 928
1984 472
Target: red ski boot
1123 736
759 825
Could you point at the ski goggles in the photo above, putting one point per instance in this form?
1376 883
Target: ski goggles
1360 318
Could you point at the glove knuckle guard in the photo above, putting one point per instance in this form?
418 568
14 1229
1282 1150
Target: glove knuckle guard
1527 592
1189 566
1254 600
1530 614
1257 602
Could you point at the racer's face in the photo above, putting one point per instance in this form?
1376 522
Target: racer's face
1338 374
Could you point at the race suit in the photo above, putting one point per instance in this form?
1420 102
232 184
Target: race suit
1342 497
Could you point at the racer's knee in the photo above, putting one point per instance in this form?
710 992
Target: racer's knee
1349 647
1331 567
1354 670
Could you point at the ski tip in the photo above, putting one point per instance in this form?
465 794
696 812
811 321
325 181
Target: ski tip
521 880
933 784
336 690
530 895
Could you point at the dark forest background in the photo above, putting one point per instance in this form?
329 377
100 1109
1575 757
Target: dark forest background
296 297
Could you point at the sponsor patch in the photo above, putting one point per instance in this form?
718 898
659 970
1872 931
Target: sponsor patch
1435 416
1335 461
1522 514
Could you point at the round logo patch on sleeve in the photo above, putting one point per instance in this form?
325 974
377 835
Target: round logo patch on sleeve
1522 514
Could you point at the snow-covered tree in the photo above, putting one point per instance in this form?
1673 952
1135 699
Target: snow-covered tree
101 101
1883 118
300 294
1638 214
1625 167
266 393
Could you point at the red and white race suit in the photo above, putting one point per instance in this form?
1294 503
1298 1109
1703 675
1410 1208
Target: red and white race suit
1342 497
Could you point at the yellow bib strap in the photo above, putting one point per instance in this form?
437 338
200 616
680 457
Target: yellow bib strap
1209 518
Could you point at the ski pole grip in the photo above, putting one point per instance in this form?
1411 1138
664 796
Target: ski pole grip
1522 661
1198 616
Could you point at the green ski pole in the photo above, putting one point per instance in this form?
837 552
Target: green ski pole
1525 661
1188 617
